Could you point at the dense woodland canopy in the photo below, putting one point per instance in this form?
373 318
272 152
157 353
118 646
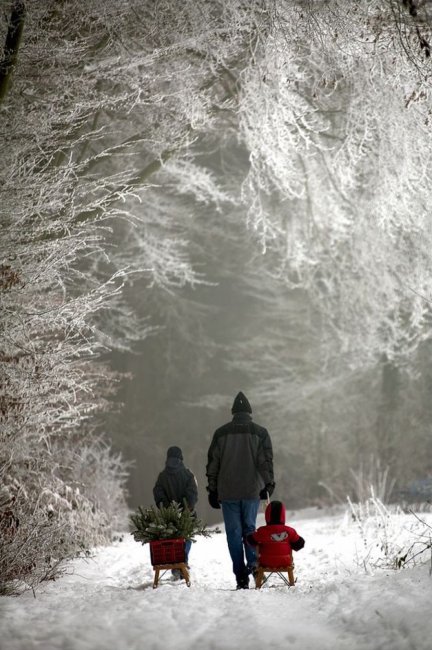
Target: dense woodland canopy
211 194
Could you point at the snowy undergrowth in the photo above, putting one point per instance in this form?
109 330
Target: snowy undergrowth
388 538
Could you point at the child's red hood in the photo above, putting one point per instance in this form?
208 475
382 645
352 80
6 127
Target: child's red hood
275 513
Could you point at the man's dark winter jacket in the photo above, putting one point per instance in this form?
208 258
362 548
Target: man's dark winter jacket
175 483
240 459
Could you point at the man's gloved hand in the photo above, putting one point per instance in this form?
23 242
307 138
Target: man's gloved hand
267 491
213 499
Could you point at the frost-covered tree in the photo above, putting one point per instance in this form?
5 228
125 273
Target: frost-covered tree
101 104
133 135
302 111
335 113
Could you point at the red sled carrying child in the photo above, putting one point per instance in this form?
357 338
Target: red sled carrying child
275 542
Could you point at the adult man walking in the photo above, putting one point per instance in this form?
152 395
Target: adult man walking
240 473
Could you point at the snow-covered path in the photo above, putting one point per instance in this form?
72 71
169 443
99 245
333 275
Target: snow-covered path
108 602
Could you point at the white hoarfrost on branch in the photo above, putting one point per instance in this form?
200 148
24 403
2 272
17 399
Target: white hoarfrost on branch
335 112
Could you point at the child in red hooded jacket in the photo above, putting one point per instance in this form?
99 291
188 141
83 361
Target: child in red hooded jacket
275 541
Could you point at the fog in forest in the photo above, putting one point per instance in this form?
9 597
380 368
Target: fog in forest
335 430
184 377
183 381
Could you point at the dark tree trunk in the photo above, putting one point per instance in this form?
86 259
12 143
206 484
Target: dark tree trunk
10 52
387 427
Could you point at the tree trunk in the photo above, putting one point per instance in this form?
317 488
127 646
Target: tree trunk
386 431
12 43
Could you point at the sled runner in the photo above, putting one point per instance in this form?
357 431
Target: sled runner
261 577
166 555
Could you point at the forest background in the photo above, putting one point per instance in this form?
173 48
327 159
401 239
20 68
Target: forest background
199 198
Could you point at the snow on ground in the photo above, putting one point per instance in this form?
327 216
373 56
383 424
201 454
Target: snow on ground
107 602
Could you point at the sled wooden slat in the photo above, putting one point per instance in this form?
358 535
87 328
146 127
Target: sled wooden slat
261 579
162 568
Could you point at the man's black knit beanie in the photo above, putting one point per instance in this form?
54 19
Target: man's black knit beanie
241 404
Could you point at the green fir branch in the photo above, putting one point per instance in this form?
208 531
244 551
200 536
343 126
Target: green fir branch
171 522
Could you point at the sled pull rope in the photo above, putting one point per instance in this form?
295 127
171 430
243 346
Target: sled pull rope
267 501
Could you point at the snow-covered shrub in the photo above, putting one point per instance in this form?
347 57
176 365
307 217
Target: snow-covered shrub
387 540
418 549
101 476
53 508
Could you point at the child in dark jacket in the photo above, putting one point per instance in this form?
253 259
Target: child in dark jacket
176 483
275 541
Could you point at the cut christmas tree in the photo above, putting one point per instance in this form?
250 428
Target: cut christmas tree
171 522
